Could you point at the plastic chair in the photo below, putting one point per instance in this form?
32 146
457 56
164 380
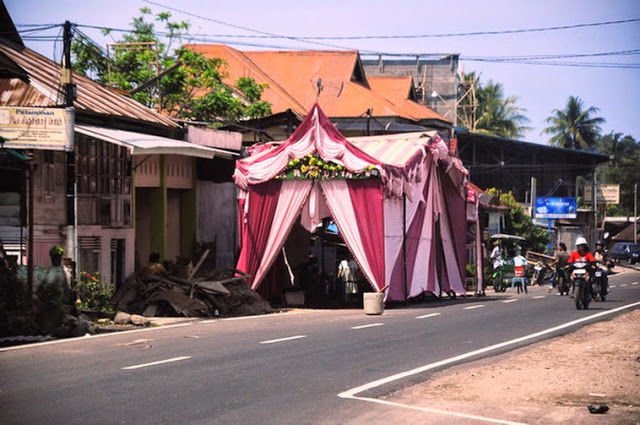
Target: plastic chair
519 280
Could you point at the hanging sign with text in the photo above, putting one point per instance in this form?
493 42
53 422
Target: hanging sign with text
36 128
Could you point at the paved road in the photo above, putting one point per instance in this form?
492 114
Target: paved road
278 369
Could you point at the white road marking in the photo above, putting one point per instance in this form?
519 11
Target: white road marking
107 335
537 297
510 301
623 285
352 393
371 325
428 315
473 307
634 283
289 338
175 359
441 412
612 286
259 316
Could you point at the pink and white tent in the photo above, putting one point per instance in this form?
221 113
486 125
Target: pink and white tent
399 202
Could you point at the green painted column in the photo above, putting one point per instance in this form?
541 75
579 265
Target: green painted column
158 219
188 213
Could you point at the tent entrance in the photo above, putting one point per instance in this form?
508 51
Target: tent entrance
314 269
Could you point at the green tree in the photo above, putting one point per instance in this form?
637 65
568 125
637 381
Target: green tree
574 127
517 222
623 168
484 108
176 81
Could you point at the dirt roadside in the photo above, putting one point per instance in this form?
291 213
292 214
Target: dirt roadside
551 382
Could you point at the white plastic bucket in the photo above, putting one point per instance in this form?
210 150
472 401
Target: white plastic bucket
373 302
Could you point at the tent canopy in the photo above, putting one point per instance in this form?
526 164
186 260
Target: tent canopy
399 201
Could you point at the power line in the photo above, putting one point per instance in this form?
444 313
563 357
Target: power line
522 59
476 33
299 39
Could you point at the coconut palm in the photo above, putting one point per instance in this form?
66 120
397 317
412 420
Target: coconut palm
499 115
483 108
574 127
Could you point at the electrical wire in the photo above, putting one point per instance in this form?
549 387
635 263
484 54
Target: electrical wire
264 33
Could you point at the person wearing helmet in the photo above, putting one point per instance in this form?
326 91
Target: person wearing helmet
581 254
599 253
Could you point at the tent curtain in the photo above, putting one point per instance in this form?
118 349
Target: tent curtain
259 208
367 200
456 209
343 209
292 196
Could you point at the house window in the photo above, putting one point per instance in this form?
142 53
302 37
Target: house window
89 254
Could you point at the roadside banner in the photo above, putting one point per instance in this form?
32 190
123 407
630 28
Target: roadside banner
553 207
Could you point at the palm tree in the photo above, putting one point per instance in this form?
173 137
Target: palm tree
499 115
483 108
574 127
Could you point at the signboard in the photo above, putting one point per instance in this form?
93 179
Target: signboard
551 207
607 194
36 128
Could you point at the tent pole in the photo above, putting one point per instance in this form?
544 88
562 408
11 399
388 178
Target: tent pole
404 246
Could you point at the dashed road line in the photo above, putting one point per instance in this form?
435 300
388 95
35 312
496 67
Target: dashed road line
623 285
510 301
289 338
428 315
159 362
537 297
371 325
473 307
634 283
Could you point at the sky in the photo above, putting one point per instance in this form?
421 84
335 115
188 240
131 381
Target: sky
539 88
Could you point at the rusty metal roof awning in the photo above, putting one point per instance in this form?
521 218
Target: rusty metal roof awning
148 144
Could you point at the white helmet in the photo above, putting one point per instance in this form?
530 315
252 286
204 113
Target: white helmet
581 241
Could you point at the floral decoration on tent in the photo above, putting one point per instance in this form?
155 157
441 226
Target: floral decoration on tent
312 167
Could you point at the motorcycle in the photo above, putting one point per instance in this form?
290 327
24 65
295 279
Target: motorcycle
599 283
580 279
543 274
497 277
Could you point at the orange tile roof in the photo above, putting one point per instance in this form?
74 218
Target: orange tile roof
292 77
398 90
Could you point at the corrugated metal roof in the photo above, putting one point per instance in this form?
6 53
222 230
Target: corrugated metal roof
147 144
44 75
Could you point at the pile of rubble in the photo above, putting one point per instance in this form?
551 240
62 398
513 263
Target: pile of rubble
216 293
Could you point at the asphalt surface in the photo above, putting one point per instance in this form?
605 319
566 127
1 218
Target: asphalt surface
279 369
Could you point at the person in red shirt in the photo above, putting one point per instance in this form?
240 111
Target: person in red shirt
581 254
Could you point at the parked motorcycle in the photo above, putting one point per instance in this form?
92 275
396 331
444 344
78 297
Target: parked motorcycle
497 277
580 279
543 274
599 283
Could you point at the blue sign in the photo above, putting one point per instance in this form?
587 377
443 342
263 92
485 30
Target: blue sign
549 207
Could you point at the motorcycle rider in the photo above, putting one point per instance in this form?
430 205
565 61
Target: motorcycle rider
562 257
600 256
581 254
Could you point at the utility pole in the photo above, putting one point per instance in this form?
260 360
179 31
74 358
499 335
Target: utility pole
635 213
69 96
